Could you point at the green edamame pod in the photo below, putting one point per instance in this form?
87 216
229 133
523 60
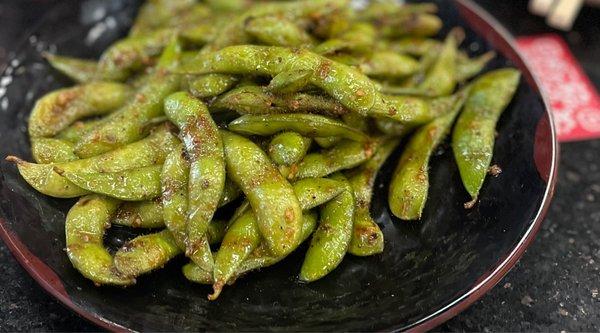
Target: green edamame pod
328 142
196 274
272 198
155 14
277 31
244 235
467 68
77 130
261 257
474 134
84 228
410 183
330 241
357 121
343 156
421 113
59 109
234 34
256 100
360 38
204 149
175 177
416 46
130 185
367 238
78 70
146 253
141 214
357 92
441 78
420 25
290 81
149 214
387 64
211 85
216 231
288 148
352 89
131 54
49 150
391 127
126 125
384 10
150 151
228 5
309 125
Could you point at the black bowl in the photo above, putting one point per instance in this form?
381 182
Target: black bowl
430 270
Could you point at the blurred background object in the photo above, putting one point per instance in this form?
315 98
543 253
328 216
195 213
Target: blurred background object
560 14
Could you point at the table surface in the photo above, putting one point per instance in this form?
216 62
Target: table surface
554 287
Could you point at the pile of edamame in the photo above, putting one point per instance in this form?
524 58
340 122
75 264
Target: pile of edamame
275 114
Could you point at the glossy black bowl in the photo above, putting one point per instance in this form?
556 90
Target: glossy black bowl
430 270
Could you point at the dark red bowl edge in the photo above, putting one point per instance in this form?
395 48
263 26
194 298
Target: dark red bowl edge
430 322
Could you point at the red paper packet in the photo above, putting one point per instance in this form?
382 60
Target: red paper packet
574 101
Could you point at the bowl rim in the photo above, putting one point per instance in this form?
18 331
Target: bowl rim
44 276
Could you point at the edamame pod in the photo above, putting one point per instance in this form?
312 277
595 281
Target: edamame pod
410 182
150 151
155 14
140 214
241 238
126 125
328 142
367 238
420 25
467 68
49 150
257 100
345 155
234 34
393 128
272 198
149 214
277 31
211 85
309 125
384 10
360 38
474 134
131 54
357 92
387 64
244 235
332 238
196 274
59 109
204 149
130 185
441 78
288 148
78 70
416 46
84 228
261 257
77 130
146 253
290 81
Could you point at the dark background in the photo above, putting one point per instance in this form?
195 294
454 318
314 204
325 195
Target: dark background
554 287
